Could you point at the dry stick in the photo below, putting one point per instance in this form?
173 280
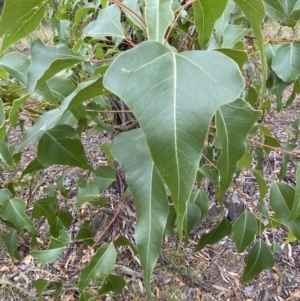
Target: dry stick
103 232
275 148
209 162
177 17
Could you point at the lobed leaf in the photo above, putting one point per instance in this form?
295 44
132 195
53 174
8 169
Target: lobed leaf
152 81
13 211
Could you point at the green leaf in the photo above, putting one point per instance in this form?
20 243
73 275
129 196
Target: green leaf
296 203
104 176
106 149
162 104
107 24
112 283
233 122
281 201
88 193
19 18
56 247
46 61
5 154
5 194
239 56
11 242
193 215
158 16
61 87
101 264
86 233
254 10
221 24
270 141
150 199
85 296
61 145
286 63
233 34
244 230
40 285
55 226
275 10
13 211
205 14
260 258
16 64
123 241
50 119
288 5
134 15
33 166
262 185
45 207
223 229
66 217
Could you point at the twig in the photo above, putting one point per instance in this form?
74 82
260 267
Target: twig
275 148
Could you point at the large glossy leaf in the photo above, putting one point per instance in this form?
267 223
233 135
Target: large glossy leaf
205 14
101 264
19 18
223 229
159 16
260 258
296 203
286 62
13 211
244 230
233 122
55 248
174 107
61 145
149 195
281 201
108 23
47 61
274 9
84 91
